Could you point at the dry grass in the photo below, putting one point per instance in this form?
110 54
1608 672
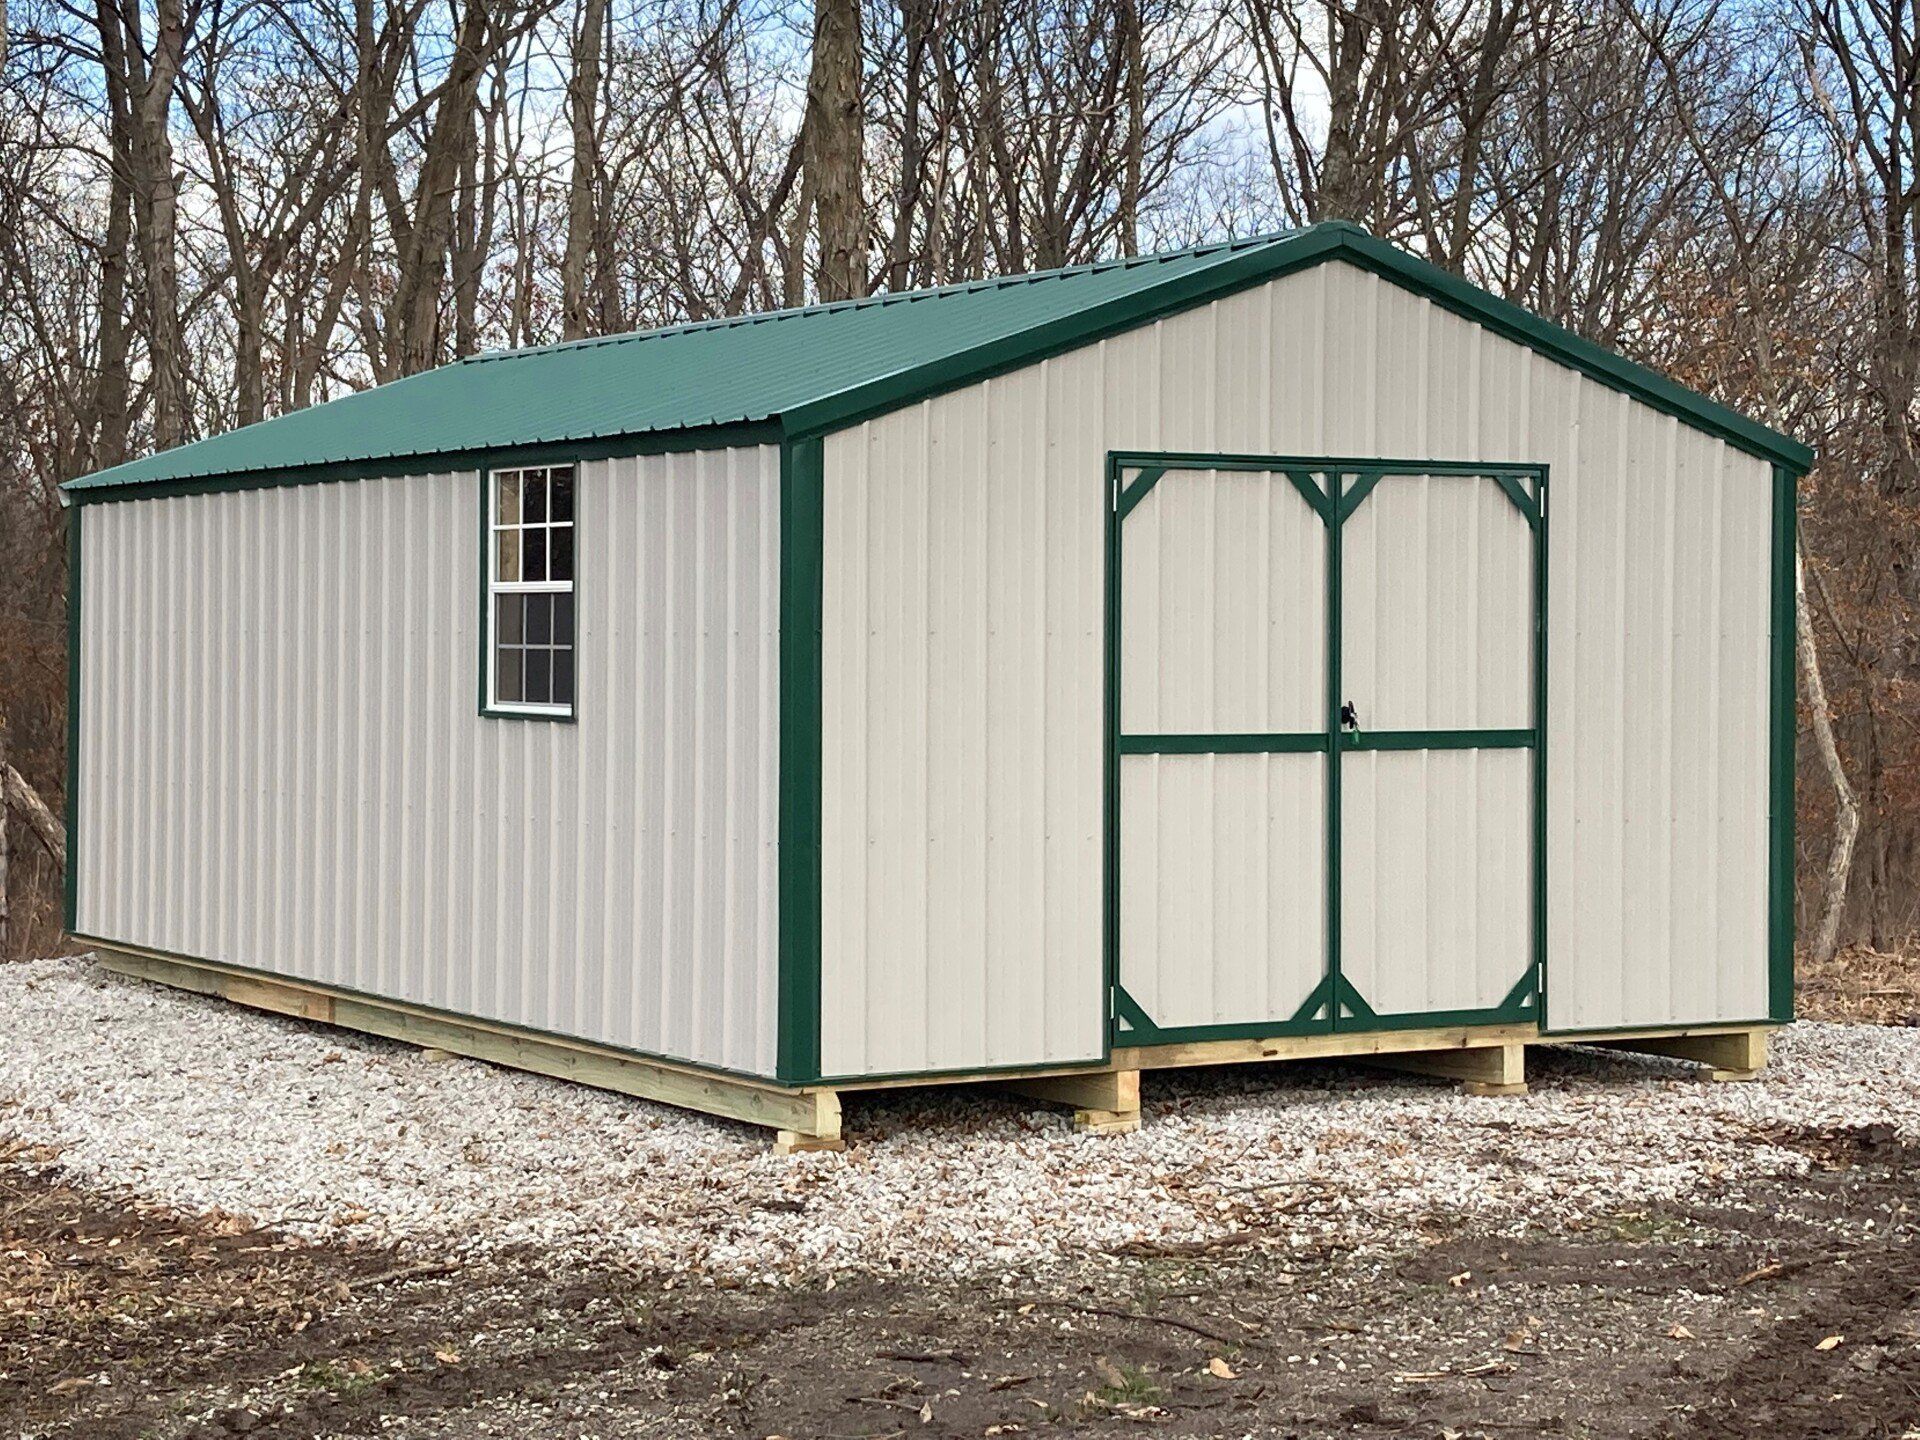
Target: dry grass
1862 987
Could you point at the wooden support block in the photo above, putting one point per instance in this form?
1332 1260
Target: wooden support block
1485 1069
1106 1102
1727 1054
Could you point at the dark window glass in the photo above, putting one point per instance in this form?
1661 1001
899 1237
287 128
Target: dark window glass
533 496
563 619
563 677
560 565
539 677
509 499
539 619
506 673
533 555
506 619
560 495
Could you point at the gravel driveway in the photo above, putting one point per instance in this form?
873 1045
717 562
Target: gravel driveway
202 1106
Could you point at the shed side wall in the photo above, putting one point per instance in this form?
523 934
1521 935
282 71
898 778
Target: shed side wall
285 768
962 815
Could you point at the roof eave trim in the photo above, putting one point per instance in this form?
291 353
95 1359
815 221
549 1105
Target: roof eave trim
86 490
1334 240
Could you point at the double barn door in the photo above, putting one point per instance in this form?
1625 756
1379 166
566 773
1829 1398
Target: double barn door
1324 762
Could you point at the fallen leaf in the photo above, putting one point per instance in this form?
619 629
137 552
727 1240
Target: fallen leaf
1831 1342
1461 1279
67 1387
1679 1332
1220 1370
926 1413
447 1357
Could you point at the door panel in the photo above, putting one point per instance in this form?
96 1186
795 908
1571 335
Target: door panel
1437 620
1223 610
1273 869
1223 885
1436 910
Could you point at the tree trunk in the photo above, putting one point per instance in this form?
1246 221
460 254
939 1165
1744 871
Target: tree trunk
414 338
835 135
583 105
1846 818
1136 142
156 213
1338 195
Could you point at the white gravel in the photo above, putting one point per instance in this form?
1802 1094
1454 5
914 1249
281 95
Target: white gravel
205 1106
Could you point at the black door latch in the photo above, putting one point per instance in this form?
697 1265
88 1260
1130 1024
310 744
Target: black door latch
1349 717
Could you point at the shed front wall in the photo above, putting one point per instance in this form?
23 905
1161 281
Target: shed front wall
962 807
283 766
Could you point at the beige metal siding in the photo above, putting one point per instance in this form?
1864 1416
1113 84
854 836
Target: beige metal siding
283 766
1436 877
1223 607
963 650
1436 624
1223 885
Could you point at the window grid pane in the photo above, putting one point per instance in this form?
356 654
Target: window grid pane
532 613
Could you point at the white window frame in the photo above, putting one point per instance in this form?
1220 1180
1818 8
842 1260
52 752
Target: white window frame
495 587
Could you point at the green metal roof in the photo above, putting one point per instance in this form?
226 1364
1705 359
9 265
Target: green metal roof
811 369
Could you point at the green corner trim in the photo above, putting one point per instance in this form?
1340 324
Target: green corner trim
802 540
1310 491
70 881
1137 490
1362 487
1516 491
1352 1002
1315 1006
1781 768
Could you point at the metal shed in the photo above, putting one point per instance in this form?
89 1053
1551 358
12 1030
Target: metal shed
1274 648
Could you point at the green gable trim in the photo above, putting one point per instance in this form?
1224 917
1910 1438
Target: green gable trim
802 547
1260 264
812 371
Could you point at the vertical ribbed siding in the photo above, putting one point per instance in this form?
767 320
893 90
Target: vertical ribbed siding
1223 885
1657 680
1436 624
1222 856
1223 607
1436 877
286 769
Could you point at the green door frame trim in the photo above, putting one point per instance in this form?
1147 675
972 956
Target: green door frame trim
1334 1000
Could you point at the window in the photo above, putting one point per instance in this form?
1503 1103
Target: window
530 621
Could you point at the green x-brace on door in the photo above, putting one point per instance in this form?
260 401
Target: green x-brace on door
1257 883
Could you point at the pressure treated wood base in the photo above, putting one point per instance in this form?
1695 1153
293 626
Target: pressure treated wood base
1486 1059
1727 1054
804 1119
1484 1069
1106 1102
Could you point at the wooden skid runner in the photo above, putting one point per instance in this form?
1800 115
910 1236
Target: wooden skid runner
804 1119
1488 1059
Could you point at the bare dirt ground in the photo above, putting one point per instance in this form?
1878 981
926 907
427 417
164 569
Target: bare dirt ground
1718 1320
1771 1289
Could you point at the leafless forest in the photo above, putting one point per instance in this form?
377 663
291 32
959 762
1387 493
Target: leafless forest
216 210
